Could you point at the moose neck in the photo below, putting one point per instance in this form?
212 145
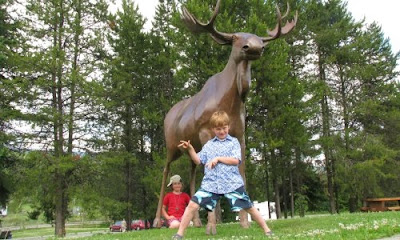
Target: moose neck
238 76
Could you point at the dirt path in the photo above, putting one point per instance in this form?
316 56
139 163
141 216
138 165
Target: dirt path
395 237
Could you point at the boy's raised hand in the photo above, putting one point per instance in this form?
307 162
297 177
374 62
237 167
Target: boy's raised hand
184 144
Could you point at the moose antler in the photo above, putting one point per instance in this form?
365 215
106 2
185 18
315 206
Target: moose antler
198 27
226 38
279 30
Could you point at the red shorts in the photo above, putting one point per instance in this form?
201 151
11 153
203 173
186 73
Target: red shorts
174 219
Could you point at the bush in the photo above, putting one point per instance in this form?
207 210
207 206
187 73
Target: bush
34 215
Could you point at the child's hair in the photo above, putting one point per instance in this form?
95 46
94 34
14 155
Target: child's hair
219 119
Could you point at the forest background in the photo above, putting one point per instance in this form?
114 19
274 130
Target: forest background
84 93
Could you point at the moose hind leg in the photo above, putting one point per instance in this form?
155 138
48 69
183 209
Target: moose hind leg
157 220
212 224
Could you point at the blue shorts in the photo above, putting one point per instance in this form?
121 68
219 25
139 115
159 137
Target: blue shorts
238 199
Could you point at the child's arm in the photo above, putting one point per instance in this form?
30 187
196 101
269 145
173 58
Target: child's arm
165 214
225 160
192 153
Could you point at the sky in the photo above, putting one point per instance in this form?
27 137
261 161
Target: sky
384 12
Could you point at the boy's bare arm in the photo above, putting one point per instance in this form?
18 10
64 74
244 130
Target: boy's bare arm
225 160
190 149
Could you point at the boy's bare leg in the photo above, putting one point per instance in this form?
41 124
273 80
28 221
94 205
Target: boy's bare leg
256 216
187 216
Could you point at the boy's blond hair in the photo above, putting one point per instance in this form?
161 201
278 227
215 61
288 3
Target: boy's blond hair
219 119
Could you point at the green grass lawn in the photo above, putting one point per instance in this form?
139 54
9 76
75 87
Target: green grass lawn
344 226
50 231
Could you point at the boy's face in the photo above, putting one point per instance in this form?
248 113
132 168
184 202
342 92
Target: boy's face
221 132
177 186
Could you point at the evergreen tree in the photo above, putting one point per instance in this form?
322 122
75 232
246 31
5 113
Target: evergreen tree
325 39
63 36
346 62
8 57
166 90
371 115
162 59
275 116
128 92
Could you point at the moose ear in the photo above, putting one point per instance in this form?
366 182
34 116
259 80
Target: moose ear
222 39
234 37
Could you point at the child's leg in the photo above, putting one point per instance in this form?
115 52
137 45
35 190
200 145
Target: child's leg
187 216
174 224
256 216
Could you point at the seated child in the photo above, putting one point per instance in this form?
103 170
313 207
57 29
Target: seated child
175 202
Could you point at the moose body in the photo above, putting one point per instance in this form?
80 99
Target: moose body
189 118
224 91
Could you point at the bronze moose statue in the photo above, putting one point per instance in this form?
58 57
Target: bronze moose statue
224 91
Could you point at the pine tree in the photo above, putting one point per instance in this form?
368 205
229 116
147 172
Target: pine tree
325 18
63 36
128 93
9 40
371 114
162 58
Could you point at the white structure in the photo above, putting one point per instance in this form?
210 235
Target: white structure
262 207
3 212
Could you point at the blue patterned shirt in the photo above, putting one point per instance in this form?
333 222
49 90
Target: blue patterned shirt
223 178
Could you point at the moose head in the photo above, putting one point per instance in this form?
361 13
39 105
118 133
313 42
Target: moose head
245 45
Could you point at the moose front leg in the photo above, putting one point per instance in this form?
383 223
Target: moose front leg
157 220
196 218
243 216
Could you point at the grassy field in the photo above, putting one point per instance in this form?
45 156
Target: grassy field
344 226
49 231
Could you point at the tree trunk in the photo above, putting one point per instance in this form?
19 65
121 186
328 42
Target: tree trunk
291 193
335 185
267 181
346 122
353 203
128 196
275 182
60 206
285 199
277 198
332 203
326 134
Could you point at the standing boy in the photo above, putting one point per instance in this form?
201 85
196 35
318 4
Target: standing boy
221 157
